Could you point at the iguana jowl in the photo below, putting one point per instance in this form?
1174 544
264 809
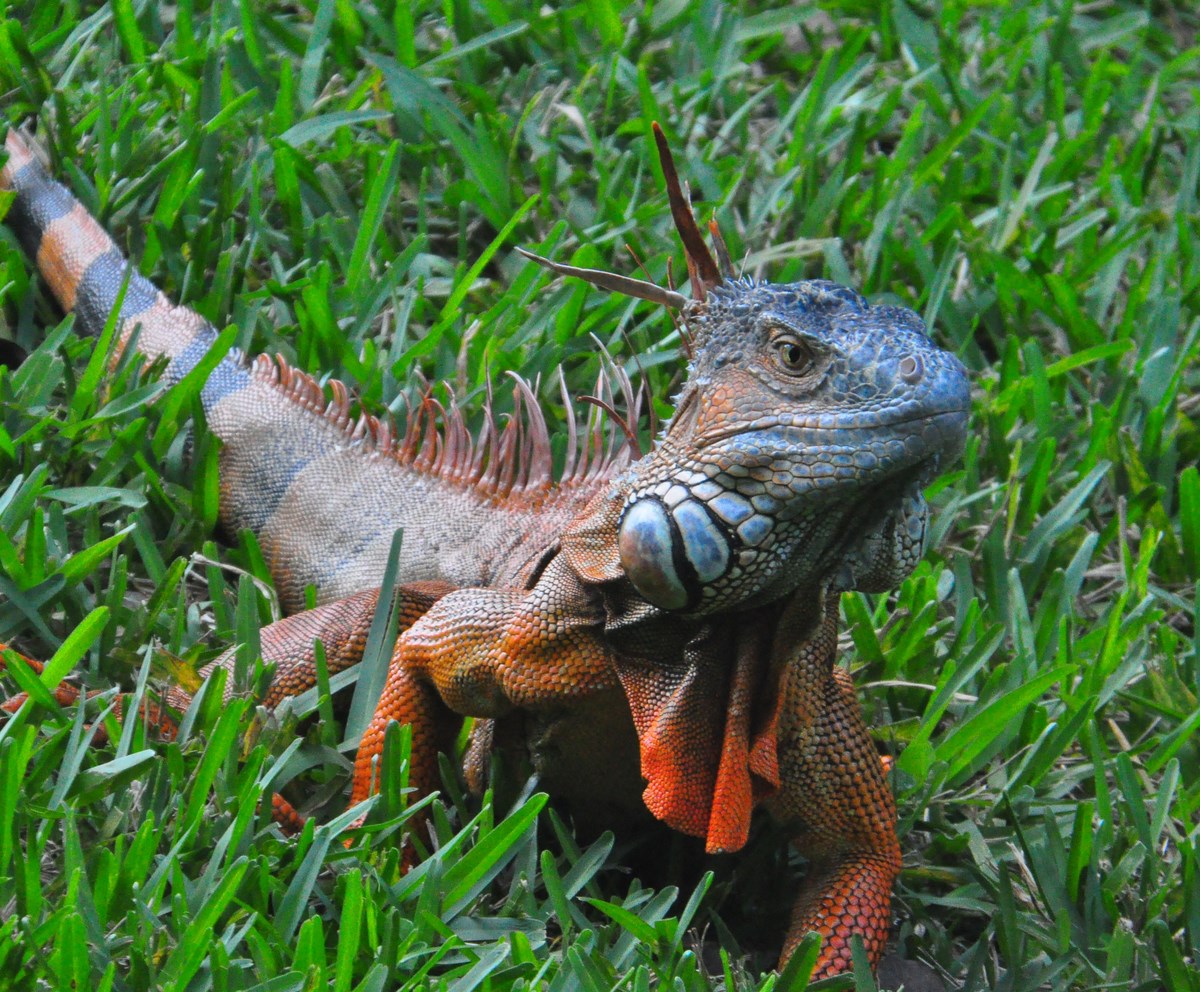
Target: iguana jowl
659 630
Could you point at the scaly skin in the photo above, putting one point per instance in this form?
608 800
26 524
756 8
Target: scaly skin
657 634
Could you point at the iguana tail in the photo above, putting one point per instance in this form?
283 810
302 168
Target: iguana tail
88 275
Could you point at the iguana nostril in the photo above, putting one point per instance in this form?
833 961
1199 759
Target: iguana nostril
911 369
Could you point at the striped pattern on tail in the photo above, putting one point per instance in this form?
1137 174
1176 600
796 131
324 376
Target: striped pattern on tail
86 272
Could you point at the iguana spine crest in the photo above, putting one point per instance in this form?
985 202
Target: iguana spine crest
513 460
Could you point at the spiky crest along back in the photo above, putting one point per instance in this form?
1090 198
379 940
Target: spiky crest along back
509 457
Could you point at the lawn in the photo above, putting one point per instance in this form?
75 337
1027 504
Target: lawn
346 184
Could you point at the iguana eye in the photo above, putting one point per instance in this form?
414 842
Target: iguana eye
794 356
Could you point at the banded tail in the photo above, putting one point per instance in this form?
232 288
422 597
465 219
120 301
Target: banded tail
86 272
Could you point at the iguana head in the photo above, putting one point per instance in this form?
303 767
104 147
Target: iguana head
809 424
807 428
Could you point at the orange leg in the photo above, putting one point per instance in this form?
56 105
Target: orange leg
37 666
833 784
286 815
341 626
64 693
481 652
410 700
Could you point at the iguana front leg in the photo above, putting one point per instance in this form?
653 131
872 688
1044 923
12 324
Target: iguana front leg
289 645
832 783
481 653
342 628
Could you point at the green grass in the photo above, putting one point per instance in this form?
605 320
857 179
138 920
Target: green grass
345 183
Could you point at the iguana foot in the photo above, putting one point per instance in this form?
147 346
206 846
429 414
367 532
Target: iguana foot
852 897
67 694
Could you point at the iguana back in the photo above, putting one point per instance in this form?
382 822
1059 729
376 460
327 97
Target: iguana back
323 491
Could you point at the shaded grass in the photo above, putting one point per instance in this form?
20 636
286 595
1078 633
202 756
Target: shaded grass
333 180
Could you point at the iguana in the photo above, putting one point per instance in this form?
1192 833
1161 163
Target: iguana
652 631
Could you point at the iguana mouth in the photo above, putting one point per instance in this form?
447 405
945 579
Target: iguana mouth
934 440
827 424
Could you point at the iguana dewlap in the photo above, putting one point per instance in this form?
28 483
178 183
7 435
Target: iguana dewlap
658 629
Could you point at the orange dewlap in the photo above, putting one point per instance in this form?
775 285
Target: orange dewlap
743 759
